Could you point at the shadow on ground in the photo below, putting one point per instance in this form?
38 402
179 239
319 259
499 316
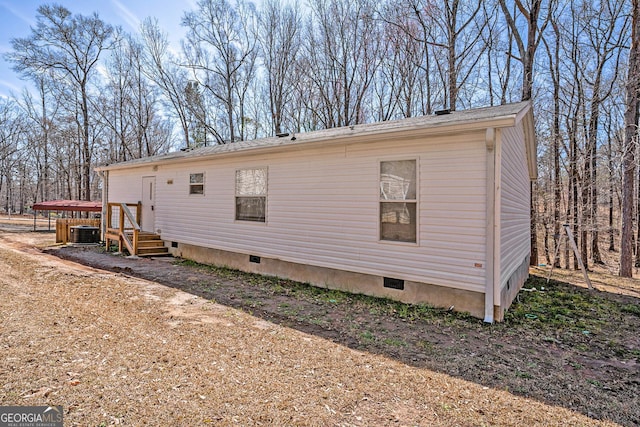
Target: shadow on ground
560 344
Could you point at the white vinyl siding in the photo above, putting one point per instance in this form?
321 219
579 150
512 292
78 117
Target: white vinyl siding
323 209
515 239
125 186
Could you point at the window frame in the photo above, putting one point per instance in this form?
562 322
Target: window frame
264 196
415 201
194 184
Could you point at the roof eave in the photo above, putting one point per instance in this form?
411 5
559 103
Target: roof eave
530 143
350 136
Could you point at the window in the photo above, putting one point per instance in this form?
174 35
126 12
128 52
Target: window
251 194
196 183
398 201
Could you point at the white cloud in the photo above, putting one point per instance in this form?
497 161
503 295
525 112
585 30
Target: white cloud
127 16
102 70
29 20
191 4
11 86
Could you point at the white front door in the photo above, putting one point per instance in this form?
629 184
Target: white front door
148 220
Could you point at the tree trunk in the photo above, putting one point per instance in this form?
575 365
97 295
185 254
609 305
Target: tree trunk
452 72
610 230
557 181
593 158
86 153
574 189
636 242
587 184
567 253
628 159
534 237
45 142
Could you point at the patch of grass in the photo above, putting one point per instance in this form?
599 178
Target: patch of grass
332 296
560 306
252 302
367 336
575 365
582 347
314 321
558 309
525 375
394 342
426 346
374 305
288 310
222 272
631 309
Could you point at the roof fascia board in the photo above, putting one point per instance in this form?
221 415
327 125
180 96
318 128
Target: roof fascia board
348 137
531 145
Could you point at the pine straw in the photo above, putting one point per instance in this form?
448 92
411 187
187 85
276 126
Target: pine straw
120 351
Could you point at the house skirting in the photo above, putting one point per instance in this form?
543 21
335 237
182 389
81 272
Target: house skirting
367 284
512 287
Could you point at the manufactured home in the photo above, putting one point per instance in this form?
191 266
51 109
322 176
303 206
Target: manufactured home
432 209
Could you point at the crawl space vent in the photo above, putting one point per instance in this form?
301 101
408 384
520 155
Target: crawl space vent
394 283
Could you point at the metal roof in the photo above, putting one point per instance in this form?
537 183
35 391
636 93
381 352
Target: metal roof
68 205
456 121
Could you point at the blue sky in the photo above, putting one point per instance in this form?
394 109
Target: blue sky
17 17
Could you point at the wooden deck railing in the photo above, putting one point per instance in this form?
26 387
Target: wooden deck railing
127 228
63 226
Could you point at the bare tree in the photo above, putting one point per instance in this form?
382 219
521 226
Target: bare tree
527 42
162 68
400 78
12 133
553 54
221 49
69 46
451 33
630 142
575 102
342 51
42 113
133 100
604 25
280 36
460 25
614 138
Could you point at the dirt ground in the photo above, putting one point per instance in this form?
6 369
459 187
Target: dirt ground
122 341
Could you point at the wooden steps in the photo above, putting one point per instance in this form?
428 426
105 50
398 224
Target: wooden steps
150 244
128 234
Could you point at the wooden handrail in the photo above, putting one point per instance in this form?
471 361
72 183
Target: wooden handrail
121 233
132 220
132 246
